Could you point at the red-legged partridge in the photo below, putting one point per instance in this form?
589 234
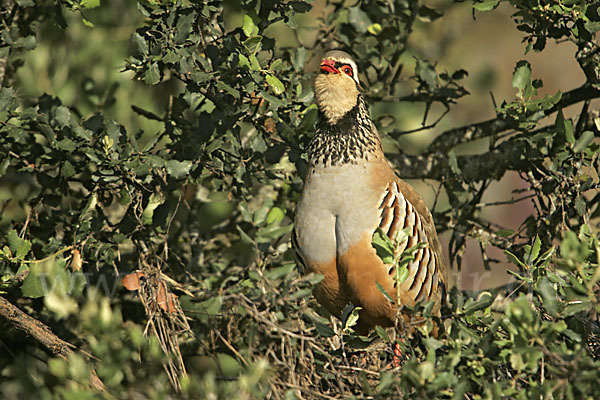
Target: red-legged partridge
351 190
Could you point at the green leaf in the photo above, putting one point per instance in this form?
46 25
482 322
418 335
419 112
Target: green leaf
581 143
301 294
8 100
184 26
383 246
225 87
47 277
32 285
453 161
252 44
359 19
547 292
254 63
401 274
513 259
505 232
346 312
67 170
486 5
521 75
228 365
547 254
534 251
484 300
426 72
249 27
154 201
382 290
592 26
565 127
301 6
139 44
382 333
212 306
90 208
66 144
152 75
273 232
580 205
18 247
62 304
352 318
178 169
87 22
576 307
276 65
280 272
275 84
63 116
244 236
90 3
243 61
428 14
275 215
374 29
324 330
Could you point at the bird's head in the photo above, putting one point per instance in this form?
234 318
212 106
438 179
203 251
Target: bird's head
336 86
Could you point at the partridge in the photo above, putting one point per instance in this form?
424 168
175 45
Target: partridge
351 191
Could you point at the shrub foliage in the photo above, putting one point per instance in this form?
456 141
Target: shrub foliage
195 213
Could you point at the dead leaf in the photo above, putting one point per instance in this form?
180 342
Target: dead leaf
165 299
269 125
76 260
161 297
132 281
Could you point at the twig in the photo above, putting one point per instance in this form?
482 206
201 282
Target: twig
307 390
504 202
358 369
230 347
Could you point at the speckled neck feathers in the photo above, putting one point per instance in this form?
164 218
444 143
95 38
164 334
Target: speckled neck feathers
350 138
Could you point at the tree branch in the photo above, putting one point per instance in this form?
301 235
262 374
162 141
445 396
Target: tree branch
453 137
43 335
492 164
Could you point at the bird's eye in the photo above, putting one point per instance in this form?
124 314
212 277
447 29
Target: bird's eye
347 70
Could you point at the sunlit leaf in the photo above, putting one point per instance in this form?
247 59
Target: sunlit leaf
275 84
486 5
178 169
249 28
521 75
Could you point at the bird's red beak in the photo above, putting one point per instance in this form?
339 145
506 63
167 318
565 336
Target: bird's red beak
328 66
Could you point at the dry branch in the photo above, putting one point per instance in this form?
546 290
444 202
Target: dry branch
43 335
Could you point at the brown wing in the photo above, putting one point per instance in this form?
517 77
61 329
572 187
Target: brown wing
402 208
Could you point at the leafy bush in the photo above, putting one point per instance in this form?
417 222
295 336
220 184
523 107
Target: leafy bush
189 204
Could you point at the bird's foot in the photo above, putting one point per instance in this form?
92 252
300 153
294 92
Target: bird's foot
398 357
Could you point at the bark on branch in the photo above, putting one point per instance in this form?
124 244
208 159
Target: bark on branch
43 335
453 137
508 155
492 164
